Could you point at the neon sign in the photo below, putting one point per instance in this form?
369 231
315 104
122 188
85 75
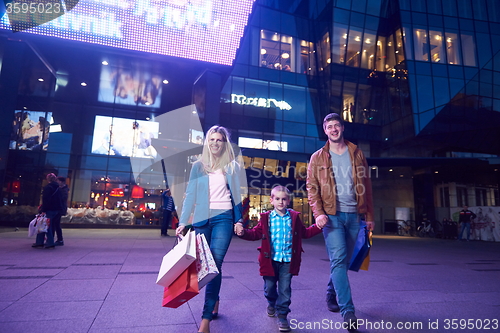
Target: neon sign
259 102
205 30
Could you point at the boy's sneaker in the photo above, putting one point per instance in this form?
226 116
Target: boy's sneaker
350 321
283 324
331 303
271 311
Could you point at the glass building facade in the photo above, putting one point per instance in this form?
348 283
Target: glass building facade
417 83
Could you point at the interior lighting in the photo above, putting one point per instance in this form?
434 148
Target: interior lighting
165 81
263 51
40 79
83 84
105 63
137 192
285 55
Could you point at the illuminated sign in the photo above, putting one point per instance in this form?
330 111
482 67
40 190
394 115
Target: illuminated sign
205 30
262 144
259 102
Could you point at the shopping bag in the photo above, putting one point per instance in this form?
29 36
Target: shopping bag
205 263
175 222
177 260
182 289
39 224
360 257
366 263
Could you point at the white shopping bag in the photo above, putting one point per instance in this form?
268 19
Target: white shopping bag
177 260
207 269
39 224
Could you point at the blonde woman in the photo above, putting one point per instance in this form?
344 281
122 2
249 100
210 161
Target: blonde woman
213 197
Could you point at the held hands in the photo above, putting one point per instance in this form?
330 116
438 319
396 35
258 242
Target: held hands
238 229
321 221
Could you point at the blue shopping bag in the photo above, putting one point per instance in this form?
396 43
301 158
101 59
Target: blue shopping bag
361 255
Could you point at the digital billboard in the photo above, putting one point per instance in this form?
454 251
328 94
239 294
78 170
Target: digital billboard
124 137
131 86
30 130
205 30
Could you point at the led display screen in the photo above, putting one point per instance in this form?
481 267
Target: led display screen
206 30
124 137
262 144
131 86
30 130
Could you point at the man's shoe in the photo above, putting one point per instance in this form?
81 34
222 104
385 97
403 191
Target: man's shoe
50 247
59 243
271 311
331 303
283 325
350 321
37 245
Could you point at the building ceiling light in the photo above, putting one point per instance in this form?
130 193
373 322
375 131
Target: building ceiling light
165 81
83 84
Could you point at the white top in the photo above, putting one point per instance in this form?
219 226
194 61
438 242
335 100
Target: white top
220 197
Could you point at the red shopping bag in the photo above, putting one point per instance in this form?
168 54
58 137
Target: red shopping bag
182 289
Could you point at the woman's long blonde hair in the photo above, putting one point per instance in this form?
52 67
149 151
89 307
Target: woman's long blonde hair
227 156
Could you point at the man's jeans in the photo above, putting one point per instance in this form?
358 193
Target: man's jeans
340 233
40 238
465 225
218 232
280 297
165 221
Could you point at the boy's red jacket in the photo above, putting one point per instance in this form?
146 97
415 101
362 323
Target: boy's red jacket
261 231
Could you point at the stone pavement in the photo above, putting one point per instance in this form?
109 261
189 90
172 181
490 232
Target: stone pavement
103 280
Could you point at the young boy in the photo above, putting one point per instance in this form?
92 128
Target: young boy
281 232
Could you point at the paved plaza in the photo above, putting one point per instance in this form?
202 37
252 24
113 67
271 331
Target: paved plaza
103 280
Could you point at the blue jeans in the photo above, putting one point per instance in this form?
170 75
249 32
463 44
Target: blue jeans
40 238
340 233
465 225
218 231
280 297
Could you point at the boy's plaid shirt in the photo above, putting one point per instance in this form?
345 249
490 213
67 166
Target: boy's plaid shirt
280 230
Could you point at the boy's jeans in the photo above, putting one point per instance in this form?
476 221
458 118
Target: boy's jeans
340 233
279 297
218 231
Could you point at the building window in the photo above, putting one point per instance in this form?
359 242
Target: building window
453 48
468 48
436 44
444 193
339 43
368 53
421 45
326 56
481 197
276 50
462 198
306 64
353 57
